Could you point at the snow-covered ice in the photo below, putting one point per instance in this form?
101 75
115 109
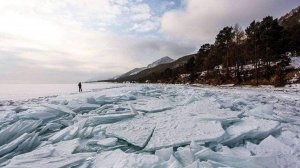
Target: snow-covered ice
295 62
160 126
108 142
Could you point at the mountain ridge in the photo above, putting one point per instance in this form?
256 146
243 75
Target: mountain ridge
290 19
163 60
187 69
157 69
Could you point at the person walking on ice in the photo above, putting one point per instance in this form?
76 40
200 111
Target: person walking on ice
80 87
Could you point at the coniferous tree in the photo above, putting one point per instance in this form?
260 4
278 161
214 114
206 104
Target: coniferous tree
190 68
238 54
253 44
293 39
202 54
263 44
272 41
223 41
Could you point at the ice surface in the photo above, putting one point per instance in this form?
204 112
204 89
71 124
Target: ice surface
185 156
65 134
93 120
291 139
264 111
153 105
227 160
57 155
195 164
265 158
22 144
51 127
173 163
15 130
45 112
30 91
164 153
107 142
135 131
119 159
66 147
80 107
170 133
240 151
48 161
250 128
295 62
271 146
160 126
173 127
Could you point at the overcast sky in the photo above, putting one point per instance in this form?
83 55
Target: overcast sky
66 41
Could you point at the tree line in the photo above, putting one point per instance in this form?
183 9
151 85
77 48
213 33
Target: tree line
257 55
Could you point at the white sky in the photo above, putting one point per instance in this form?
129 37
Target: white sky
65 41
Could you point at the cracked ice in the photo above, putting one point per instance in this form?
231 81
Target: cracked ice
162 126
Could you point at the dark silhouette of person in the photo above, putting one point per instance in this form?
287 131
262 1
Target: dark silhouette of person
80 87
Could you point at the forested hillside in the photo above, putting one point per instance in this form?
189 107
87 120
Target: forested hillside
258 54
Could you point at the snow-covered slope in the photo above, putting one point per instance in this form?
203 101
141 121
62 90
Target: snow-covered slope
135 71
162 126
290 19
131 72
163 60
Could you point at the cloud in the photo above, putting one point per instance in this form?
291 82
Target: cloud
200 20
120 2
82 63
144 20
140 8
68 41
166 4
141 16
146 26
140 12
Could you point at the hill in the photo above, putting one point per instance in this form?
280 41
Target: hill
290 19
157 69
259 54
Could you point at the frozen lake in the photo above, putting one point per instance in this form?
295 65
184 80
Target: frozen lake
28 91
146 125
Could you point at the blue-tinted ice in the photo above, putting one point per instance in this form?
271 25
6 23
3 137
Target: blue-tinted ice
134 125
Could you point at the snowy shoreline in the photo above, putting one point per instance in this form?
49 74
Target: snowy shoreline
154 125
